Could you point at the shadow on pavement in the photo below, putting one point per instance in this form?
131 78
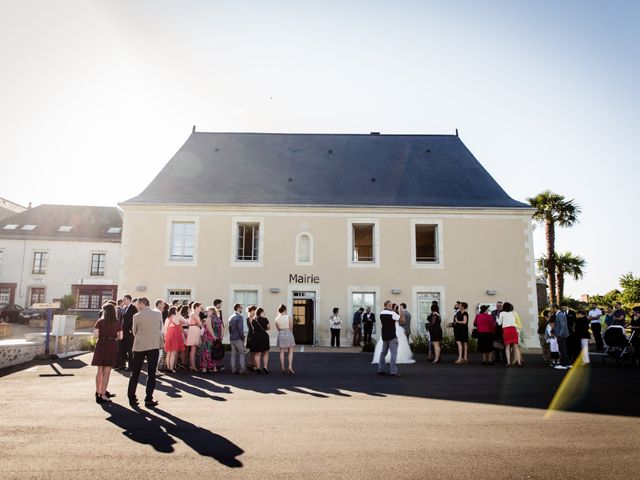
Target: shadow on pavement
159 429
603 389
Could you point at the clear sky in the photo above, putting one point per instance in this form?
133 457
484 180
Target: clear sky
96 96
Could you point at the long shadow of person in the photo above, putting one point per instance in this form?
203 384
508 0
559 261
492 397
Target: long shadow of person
201 440
139 428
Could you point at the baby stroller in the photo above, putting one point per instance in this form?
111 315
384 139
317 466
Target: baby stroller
617 345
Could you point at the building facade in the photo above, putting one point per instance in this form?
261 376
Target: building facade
323 221
50 251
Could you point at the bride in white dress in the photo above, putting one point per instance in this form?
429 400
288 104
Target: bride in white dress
405 355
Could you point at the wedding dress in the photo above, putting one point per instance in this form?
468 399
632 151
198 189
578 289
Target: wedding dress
405 355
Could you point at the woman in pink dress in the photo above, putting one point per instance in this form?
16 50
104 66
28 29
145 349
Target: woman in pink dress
193 335
173 339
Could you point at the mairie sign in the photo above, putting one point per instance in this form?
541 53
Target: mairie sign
303 278
43 306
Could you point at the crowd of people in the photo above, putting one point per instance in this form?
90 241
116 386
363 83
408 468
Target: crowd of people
175 336
565 333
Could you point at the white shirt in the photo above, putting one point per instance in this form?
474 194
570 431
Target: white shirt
282 321
335 321
595 315
506 319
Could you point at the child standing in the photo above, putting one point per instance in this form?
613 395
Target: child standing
551 339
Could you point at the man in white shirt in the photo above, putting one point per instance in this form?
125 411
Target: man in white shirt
596 327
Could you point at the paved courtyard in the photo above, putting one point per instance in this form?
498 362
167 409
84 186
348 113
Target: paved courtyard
334 419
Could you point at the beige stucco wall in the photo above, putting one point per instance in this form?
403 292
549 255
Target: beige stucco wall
481 250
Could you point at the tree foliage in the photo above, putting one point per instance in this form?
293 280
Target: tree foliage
553 209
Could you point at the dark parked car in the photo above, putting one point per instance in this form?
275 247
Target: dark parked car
10 312
31 313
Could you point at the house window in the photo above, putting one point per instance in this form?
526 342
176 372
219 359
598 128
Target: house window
248 242
246 298
97 263
182 241
92 298
424 302
1 259
184 295
39 262
363 246
426 243
37 296
5 295
304 249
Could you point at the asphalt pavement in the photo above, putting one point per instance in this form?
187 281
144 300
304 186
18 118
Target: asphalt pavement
334 419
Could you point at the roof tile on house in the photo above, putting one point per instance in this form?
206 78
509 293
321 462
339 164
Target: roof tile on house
325 170
44 221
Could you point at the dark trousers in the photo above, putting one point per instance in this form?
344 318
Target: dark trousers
596 328
357 335
152 364
335 337
124 352
368 330
562 347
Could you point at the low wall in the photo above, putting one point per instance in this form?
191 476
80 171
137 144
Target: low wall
5 330
79 341
15 352
81 323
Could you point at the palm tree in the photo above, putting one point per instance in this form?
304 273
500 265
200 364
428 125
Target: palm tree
568 264
551 209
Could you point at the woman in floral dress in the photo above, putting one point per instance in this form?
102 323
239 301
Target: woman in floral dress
218 333
206 362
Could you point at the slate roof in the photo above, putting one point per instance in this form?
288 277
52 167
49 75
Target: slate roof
325 170
87 223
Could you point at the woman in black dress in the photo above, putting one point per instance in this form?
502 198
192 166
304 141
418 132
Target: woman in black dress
435 331
260 341
460 326
251 314
108 331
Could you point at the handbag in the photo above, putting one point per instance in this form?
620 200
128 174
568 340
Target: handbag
217 351
474 333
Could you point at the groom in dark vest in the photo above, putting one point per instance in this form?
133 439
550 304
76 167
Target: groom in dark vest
388 319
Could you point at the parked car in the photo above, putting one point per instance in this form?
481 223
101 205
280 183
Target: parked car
32 314
10 312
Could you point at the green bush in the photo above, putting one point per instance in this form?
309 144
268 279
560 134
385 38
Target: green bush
448 345
89 344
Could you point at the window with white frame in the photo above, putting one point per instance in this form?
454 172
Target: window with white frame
40 262
304 249
1 259
183 295
363 247
182 241
426 237
248 242
424 302
97 263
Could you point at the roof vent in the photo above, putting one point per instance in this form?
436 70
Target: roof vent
29 228
330 151
289 179
373 180
374 133
428 150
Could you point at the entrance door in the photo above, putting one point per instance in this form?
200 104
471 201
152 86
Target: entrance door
303 318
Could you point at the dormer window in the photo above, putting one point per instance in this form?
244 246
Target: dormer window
65 228
29 228
114 230
10 226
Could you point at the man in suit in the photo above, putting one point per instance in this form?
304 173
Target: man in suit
407 320
147 331
124 346
368 321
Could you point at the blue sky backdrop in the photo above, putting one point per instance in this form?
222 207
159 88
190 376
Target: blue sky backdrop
96 96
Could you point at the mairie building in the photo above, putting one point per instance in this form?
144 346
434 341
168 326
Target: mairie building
317 221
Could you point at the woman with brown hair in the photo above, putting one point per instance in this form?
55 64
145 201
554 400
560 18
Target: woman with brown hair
173 338
435 331
260 340
193 335
286 341
108 331
251 315
460 326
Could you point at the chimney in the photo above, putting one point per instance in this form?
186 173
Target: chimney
29 205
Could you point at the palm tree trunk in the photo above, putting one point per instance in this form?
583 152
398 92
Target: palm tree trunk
550 233
559 284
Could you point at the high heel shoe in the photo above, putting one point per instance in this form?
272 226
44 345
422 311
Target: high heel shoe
109 395
292 371
435 362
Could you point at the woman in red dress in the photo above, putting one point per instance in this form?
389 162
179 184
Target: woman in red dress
108 331
173 338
